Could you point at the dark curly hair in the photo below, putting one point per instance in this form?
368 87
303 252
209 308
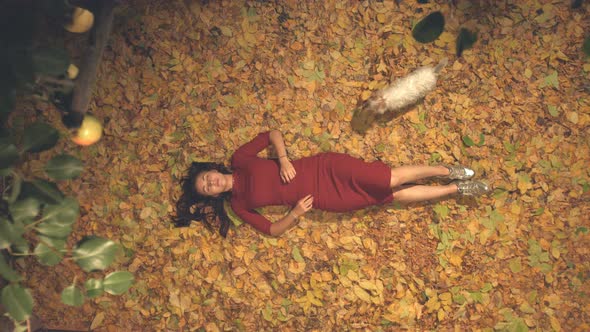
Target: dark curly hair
192 206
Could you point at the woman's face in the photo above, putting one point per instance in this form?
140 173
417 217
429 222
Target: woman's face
210 183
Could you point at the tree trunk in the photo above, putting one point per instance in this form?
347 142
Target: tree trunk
99 36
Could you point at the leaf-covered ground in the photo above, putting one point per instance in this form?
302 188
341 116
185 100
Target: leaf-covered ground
187 81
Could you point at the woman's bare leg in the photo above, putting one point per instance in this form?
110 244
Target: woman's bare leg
419 193
405 174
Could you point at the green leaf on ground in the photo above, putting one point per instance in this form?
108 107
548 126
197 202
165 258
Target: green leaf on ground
468 141
482 140
297 255
441 210
550 80
515 265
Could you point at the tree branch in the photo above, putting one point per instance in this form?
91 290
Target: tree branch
98 40
56 81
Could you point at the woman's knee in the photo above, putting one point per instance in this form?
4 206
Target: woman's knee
395 180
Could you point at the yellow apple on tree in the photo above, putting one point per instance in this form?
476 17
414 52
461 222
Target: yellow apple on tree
82 20
89 132
73 71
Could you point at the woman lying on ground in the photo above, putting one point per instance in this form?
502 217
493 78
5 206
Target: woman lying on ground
327 181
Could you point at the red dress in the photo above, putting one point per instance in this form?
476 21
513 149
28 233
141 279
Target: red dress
337 182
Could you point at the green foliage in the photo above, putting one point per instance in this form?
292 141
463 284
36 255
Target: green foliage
442 211
6 101
95 253
515 265
8 154
17 301
27 63
72 295
429 28
10 232
64 213
538 257
37 217
38 208
24 210
348 265
7 272
39 137
511 322
49 251
118 282
297 255
468 141
64 167
550 81
94 287
50 61
586 46
44 191
54 230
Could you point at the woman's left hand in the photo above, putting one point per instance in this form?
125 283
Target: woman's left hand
287 170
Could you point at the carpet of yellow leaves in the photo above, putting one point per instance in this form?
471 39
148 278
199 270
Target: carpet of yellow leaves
189 81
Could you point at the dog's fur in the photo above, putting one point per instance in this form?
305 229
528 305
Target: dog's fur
398 97
406 91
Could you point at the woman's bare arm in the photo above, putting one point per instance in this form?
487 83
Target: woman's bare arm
276 139
303 205
282 225
287 170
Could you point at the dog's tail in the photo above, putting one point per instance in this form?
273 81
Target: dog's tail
442 63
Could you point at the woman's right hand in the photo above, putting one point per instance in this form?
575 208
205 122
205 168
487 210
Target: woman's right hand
303 205
287 170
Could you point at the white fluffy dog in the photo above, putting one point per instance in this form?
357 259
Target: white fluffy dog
399 95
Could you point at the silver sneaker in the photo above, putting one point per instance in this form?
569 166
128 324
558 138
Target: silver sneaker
472 188
459 172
